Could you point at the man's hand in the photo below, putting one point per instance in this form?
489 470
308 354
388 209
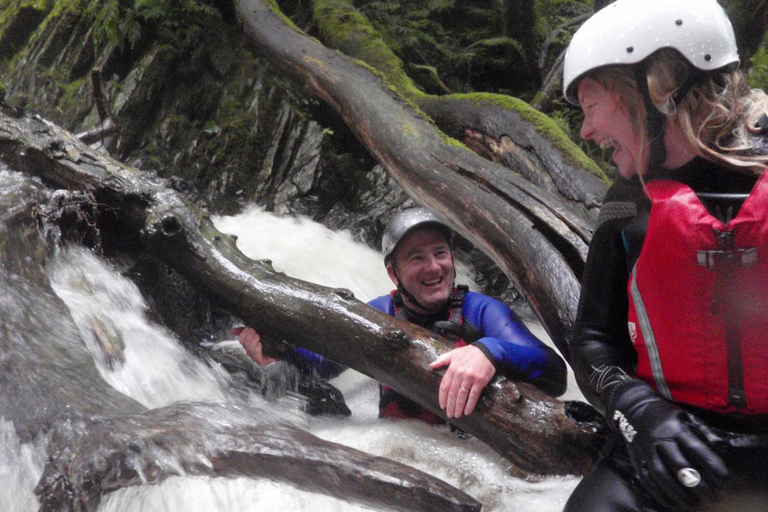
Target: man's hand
251 342
469 371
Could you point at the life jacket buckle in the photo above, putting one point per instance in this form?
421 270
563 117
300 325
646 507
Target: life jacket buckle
726 252
747 257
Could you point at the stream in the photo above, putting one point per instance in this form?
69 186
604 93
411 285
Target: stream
154 369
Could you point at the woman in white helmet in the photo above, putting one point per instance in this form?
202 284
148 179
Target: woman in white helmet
671 331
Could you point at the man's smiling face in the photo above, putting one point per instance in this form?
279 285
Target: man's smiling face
423 264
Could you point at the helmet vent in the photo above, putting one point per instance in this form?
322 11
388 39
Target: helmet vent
679 22
630 49
707 57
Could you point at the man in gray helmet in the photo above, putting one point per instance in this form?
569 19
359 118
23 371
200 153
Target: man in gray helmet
488 335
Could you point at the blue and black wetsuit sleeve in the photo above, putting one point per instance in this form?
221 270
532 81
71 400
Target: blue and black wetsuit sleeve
515 351
311 362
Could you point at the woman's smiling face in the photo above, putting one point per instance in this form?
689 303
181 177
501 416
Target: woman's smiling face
608 122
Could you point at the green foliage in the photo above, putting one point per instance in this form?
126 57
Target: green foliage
475 45
758 73
123 22
6 5
416 31
493 45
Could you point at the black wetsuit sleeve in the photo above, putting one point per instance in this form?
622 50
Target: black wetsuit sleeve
601 334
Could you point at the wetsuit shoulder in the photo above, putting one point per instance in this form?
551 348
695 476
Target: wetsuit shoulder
383 304
622 202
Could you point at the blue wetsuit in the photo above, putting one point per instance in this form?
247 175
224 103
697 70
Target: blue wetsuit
504 339
500 334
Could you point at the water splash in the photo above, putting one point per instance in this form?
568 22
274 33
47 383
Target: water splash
156 370
309 251
136 357
20 468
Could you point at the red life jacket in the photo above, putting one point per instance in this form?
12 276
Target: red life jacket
394 405
698 301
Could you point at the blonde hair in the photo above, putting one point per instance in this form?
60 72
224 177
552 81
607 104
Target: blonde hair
717 116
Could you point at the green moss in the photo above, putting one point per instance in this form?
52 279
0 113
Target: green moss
453 142
73 100
39 5
758 71
272 6
233 141
543 124
17 22
343 27
75 7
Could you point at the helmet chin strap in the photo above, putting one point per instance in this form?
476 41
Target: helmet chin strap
408 295
654 122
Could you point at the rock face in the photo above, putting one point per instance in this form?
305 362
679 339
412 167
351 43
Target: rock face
199 108
194 104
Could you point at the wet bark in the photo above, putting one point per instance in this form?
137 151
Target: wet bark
99 440
537 433
508 136
224 441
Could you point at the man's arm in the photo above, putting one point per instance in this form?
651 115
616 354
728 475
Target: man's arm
506 345
310 361
512 348
251 342
305 360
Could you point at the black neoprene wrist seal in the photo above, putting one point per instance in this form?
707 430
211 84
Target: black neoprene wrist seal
487 353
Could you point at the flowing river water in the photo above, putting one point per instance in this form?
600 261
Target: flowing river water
158 371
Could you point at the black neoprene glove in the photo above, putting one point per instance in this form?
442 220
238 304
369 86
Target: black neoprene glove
671 450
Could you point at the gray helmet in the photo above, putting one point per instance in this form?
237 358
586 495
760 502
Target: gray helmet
628 31
404 222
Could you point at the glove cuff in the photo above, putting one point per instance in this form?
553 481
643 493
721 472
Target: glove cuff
604 380
624 400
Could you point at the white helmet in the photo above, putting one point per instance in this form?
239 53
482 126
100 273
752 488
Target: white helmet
628 31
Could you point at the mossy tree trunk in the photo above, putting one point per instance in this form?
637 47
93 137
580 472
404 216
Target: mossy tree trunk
530 231
501 128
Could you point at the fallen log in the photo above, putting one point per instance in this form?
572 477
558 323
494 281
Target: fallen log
538 242
203 439
99 440
537 433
